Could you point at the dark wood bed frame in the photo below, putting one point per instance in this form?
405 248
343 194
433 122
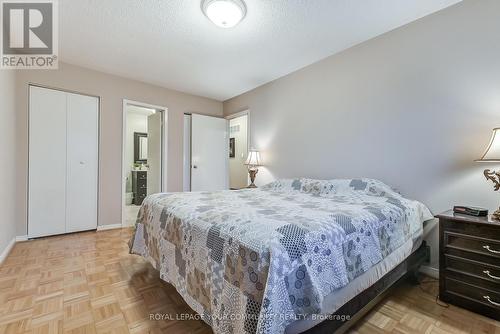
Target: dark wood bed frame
360 305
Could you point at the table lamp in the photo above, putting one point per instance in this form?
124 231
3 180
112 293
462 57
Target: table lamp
253 162
492 154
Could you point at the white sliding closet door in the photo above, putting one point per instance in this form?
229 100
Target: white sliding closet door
82 162
63 162
47 162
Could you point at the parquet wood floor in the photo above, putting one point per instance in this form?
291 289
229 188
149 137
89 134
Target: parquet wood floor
88 283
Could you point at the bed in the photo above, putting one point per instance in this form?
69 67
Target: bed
278 258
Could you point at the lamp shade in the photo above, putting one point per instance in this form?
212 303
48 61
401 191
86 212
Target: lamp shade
492 153
253 158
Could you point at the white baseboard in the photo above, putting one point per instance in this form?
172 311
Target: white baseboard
108 227
20 238
430 271
7 250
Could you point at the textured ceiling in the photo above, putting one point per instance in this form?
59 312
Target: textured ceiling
170 43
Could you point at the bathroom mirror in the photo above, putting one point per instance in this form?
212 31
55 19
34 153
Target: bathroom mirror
140 147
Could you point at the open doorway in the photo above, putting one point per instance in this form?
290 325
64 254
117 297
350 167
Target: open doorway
238 149
144 165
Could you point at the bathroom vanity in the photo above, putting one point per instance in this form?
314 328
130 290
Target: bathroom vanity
139 185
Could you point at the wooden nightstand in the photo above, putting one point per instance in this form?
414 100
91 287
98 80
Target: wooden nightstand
469 263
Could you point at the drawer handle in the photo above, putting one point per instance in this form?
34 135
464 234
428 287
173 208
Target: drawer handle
487 272
491 301
491 250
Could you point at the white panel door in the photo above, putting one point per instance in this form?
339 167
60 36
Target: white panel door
47 162
209 153
154 153
82 162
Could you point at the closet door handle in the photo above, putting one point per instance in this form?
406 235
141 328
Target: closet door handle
488 248
491 301
487 272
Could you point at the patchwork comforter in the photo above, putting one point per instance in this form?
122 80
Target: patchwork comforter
255 260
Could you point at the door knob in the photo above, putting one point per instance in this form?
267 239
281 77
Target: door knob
82 163
194 166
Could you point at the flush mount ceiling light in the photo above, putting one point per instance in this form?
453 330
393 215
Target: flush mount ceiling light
224 13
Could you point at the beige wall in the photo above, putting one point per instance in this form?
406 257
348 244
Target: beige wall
238 172
413 107
8 168
112 90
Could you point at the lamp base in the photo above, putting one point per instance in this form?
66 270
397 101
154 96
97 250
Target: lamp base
496 215
252 172
494 177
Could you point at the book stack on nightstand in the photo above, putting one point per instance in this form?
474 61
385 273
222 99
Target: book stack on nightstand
469 262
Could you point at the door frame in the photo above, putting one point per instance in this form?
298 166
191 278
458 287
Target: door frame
239 114
164 160
247 113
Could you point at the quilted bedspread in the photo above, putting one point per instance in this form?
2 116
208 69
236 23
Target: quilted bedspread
255 260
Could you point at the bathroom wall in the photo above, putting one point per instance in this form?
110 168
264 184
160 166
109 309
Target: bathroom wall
135 123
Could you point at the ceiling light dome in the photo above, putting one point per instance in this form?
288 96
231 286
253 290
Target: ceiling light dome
224 13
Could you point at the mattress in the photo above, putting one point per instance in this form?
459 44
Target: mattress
250 261
337 299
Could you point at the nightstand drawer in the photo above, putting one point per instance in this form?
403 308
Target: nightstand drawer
458 266
471 243
486 297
